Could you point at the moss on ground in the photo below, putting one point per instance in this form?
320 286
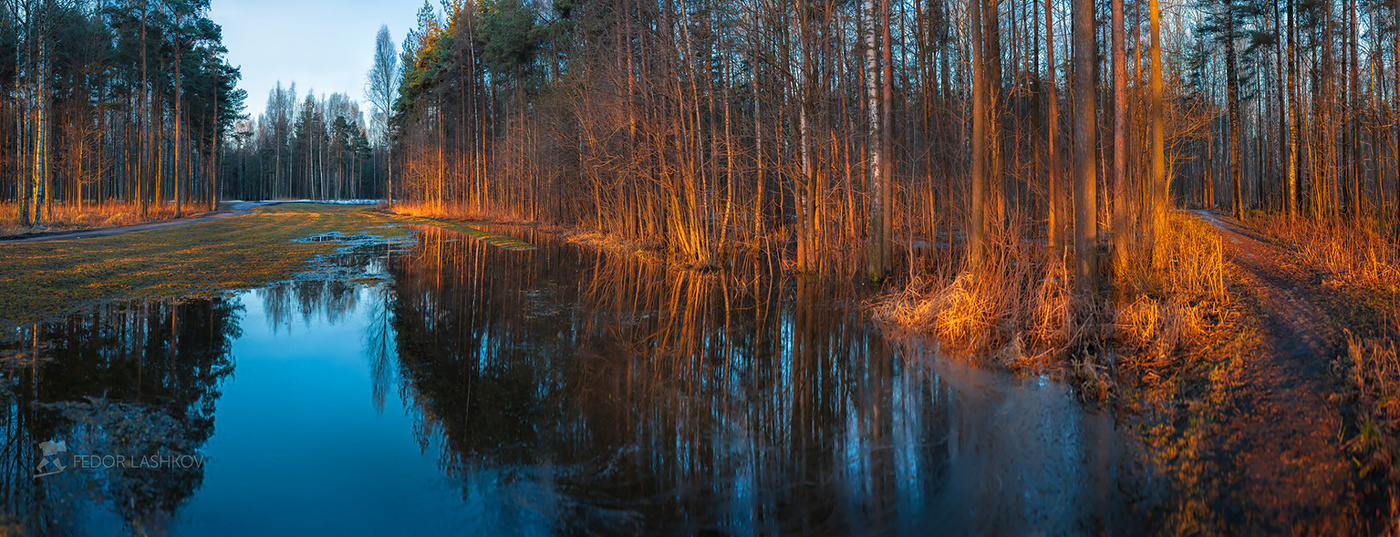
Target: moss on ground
44 280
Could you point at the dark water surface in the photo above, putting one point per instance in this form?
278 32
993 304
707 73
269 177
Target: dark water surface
472 390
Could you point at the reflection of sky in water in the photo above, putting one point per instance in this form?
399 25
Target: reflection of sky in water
301 449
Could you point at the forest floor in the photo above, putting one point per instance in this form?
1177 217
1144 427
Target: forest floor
1265 437
246 247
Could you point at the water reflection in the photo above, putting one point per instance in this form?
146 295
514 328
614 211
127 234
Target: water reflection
558 390
137 379
576 392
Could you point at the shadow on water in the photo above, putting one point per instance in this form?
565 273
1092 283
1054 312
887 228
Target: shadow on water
586 393
562 390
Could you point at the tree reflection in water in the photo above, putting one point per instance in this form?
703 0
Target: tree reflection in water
585 392
571 391
136 378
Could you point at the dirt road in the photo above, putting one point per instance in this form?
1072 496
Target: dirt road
1279 441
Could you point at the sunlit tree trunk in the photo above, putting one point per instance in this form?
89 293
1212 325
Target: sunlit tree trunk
1353 103
1052 129
1120 141
1158 119
1293 109
179 101
886 193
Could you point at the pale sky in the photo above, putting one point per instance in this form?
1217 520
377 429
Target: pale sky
324 45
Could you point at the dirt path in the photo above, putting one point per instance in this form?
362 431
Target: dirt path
1279 444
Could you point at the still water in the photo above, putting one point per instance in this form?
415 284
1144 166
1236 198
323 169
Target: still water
458 388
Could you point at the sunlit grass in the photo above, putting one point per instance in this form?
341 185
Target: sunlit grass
1172 296
45 279
452 217
1015 308
1352 253
66 217
1018 308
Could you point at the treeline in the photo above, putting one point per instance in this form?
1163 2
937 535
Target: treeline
852 132
113 100
312 148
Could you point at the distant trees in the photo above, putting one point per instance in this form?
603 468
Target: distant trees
120 100
316 148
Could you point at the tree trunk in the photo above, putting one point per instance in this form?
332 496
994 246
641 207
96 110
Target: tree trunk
1120 143
1292 193
976 206
1052 129
1232 90
1085 153
179 100
875 199
1156 110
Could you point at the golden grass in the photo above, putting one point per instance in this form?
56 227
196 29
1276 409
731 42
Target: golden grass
1352 253
1018 309
1018 301
68 217
452 211
1171 297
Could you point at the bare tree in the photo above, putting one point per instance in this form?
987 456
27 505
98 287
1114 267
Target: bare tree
381 87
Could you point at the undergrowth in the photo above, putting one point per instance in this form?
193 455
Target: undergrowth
64 217
1373 385
1372 388
1354 253
1019 309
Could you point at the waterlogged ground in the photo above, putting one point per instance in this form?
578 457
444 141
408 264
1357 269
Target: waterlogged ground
470 386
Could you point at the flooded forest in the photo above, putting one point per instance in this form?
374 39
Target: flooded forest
645 267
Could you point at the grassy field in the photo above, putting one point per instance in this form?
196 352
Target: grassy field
42 280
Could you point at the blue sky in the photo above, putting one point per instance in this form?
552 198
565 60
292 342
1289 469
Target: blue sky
324 45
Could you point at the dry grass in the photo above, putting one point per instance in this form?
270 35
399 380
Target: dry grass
1372 372
1351 253
1019 311
1172 297
67 217
1016 308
